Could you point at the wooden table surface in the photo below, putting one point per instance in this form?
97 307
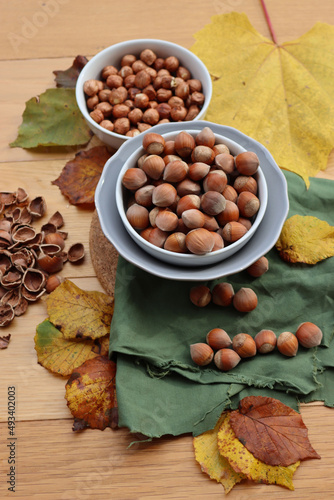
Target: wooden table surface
53 463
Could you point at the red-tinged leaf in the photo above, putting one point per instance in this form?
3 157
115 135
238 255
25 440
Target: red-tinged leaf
79 177
271 431
91 394
68 78
4 341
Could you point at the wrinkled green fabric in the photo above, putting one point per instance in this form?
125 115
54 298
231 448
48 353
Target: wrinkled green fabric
160 390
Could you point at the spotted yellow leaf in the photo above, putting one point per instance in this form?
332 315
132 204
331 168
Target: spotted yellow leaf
244 462
80 314
212 462
306 239
62 356
281 95
91 394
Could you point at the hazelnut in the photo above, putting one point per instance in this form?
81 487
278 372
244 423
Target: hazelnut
198 170
125 71
309 335
142 79
148 56
217 338
120 110
200 295
245 183
183 73
193 218
92 87
164 110
172 63
175 171
244 345
128 60
265 341
178 113
247 163
258 267
199 241
166 220
205 138
141 100
229 214
230 193
248 204
92 102
226 359
176 242
143 195
97 115
107 71
212 202
224 161
195 85
151 93
114 81
153 166
222 294
245 300
164 195
184 143
197 98
134 178
135 115
53 282
287 344
138 65
122 125
203 154
219 242
201 354
210 223
187 186
187 202
137 216
221 148
151 116
193 111
233 231
157 237
107 124
153 143
216 180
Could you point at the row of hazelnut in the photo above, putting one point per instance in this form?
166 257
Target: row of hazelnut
143 92
230 352
244 300
190 194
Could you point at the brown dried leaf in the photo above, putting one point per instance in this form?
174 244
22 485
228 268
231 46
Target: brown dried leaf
68 78
271 431
91 394
80 176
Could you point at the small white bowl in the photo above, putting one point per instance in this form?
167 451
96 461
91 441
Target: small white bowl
112 56
186 259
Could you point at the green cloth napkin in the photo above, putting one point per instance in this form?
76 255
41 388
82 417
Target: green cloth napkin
160 390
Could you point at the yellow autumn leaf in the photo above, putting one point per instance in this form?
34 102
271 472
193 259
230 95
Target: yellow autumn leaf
212 462
91 394
244 462
62 356
80 314
306 239
280 95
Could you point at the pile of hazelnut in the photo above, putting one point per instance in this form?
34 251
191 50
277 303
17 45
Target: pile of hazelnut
229 352
190 194
143 92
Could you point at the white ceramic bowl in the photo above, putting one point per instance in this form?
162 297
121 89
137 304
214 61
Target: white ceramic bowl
187 259
263 240
112 56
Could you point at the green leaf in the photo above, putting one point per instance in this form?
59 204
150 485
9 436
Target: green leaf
52 119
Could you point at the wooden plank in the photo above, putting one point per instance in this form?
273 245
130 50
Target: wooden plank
57 464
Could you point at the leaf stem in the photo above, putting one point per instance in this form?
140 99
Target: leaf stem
270 26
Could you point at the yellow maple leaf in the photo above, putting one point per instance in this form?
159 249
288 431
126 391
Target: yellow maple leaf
244 462
306 239
281 95
62 356
80 314
212 462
